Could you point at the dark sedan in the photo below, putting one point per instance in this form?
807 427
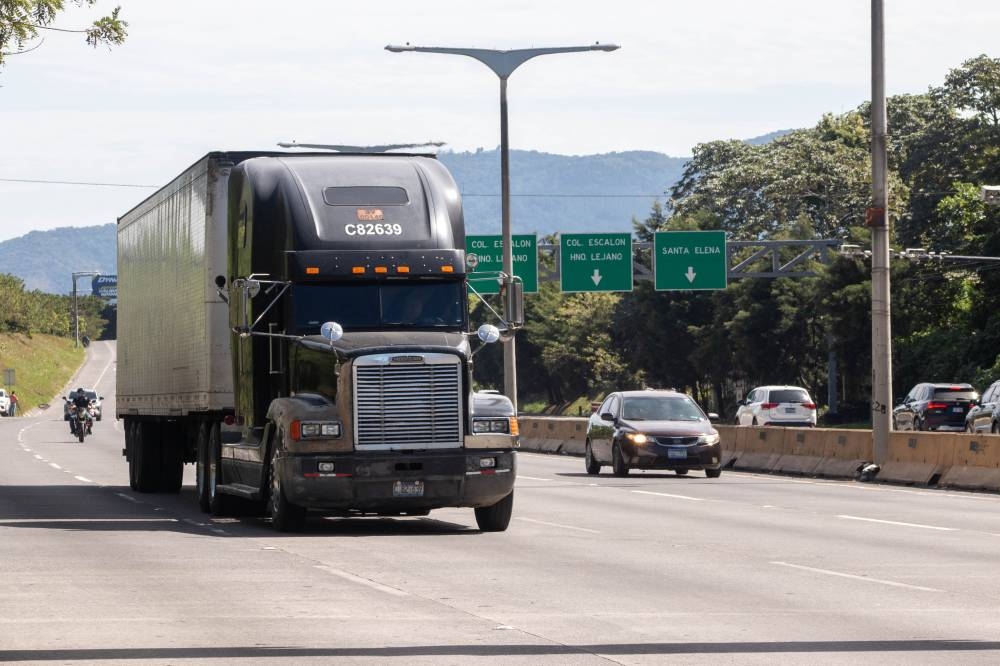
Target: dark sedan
985 416
652 430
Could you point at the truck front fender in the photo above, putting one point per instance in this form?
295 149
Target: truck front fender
282 412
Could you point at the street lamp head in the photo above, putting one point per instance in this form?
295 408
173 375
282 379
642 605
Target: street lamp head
400 49
604 47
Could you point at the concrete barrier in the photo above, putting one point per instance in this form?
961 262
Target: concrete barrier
976 463
802 451
917 457
844 451
727 441
764 446
553 434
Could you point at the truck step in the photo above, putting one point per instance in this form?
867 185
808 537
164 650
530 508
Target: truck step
240 490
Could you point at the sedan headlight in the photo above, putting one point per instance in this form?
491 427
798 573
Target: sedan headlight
636 437
708 439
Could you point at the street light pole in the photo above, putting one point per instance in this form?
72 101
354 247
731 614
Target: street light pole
76 311
503 64
878 220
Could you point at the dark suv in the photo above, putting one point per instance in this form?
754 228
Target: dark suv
933 406
985 417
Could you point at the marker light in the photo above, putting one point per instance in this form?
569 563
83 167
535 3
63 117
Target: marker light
358 270
447 269
403 269
312 270
381 269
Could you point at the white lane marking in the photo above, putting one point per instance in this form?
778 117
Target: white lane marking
39 457
111 360
218 531
683 497
83 478
128 497
54 466
363 581
95 519
895 522
866 579
531 478
565 527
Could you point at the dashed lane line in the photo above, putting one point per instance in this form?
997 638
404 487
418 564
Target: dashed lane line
346 575
899 524
683 497
866 579
559 525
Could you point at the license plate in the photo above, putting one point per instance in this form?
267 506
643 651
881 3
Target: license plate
957 410
408 489
790 410
677 454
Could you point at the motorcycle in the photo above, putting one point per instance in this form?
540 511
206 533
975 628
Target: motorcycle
81 422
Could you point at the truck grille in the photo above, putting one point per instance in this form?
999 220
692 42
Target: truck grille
409 405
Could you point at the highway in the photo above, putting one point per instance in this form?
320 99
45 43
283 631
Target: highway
648 569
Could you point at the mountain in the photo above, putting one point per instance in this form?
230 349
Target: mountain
550 193
46 260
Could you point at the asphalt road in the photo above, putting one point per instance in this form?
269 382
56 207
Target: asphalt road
653 568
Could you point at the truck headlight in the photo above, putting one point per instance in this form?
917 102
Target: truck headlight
506 425
312 429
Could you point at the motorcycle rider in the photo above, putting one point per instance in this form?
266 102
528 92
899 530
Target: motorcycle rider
81 402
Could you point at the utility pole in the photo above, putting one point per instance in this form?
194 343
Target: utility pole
76 311
878 219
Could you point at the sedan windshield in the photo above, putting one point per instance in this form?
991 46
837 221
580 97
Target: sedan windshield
673 408
376 306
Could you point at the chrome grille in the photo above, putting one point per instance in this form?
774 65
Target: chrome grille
677 441
408 405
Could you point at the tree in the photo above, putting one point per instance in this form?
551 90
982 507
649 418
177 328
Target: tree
20 21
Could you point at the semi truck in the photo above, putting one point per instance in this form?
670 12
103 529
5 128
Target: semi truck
297 327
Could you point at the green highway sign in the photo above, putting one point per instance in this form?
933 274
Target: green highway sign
484 259
689 260
595 262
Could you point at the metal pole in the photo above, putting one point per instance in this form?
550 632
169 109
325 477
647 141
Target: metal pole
76 316
878 219
509 352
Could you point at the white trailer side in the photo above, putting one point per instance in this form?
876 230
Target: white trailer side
173 330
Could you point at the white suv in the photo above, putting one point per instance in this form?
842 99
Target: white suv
777 405
4 403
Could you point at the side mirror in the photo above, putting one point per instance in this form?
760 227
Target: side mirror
712 416
513 302
488 333
608 416
332 331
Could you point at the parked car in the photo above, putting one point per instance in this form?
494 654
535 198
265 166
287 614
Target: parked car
95 401
778 406
935 406
652 430
4 403
985 416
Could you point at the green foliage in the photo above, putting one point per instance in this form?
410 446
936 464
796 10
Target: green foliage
41 364
31 312
20 21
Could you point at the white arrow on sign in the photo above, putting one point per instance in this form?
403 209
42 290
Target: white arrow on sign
596 277
690 274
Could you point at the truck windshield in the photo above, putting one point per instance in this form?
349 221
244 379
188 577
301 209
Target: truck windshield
367 306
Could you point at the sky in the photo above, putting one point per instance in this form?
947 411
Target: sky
195 76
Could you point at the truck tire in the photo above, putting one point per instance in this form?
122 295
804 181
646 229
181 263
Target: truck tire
495 518
171 462
219 504
202 466
133 480
285 516
146 457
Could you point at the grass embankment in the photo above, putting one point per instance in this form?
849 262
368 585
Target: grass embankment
42 365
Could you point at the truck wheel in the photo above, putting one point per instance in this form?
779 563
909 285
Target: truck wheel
172 466
133 481
219 504
495 518
146 457
713 473
202 466
285 516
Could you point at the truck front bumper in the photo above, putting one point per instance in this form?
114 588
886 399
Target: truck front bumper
397 482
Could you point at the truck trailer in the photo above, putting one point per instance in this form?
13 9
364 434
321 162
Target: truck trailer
297 326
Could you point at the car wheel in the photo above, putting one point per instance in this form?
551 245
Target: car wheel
593 467
495 518
754 421
918 424
681 471
713 473
618 464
